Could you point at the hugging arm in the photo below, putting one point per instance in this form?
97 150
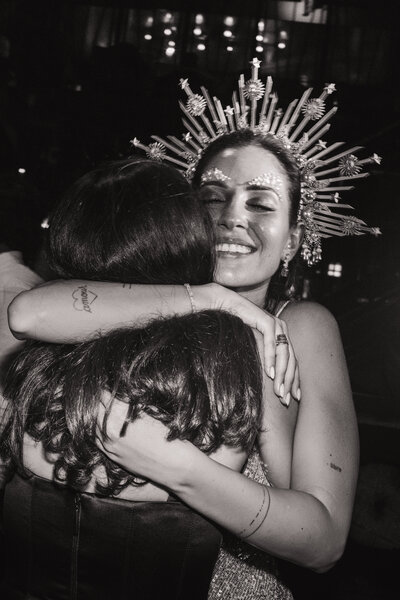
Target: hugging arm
67 311
306 524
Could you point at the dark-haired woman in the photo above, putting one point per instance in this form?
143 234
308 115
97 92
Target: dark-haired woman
251 186
76 524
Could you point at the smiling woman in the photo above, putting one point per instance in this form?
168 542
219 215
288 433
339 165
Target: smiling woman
247 191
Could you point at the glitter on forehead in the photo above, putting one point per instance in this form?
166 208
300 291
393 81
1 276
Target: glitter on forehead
214 175
268 180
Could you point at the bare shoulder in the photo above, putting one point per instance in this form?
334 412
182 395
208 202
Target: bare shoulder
309 316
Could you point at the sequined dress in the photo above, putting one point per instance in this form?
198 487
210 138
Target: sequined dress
242 572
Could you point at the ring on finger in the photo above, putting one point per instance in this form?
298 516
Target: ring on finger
281 339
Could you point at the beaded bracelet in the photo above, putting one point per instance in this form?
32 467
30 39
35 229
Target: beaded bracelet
191 297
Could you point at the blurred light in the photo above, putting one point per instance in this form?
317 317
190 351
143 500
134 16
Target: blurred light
281 45
261 26
259 38
170 51
197 31
229 48
45 223
78 87
149 22
167 31
228 33
148 36
171 43
21 170
167 17
259 48
229 21
201 47
334 270
199 19
283 35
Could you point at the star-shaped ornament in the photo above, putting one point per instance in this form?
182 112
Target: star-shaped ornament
330 88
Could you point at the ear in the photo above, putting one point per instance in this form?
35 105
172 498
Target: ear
294 241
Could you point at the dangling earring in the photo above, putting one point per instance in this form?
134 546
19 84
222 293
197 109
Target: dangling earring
285 266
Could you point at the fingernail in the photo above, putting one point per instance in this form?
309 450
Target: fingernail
287 399
281 390
271 372
298 394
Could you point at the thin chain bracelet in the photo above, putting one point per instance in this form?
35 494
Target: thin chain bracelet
191 297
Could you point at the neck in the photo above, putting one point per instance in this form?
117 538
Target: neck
255 295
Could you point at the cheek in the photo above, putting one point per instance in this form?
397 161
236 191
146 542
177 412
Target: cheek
272 233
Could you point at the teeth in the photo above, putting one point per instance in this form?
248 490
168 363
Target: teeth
238 248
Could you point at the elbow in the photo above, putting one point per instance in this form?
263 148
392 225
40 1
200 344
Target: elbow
326 555
20 319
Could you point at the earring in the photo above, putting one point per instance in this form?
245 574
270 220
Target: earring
285 266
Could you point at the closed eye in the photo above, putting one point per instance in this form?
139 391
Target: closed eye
260 205
211 195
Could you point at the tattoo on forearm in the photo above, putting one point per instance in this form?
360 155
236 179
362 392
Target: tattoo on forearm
83 298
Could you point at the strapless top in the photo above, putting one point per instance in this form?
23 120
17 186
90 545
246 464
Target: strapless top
65 545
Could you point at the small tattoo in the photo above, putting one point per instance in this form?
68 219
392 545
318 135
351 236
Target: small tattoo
83 298
333 466
127 285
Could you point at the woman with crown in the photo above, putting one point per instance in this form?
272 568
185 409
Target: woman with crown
269 190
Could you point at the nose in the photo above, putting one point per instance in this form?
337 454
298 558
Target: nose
233 214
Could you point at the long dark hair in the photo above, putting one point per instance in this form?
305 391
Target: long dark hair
199 374
279 288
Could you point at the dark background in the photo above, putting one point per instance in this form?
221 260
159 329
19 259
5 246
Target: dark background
78 80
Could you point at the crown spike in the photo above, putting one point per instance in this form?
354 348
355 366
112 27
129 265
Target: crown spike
277 118
315 128
286 116
266 99
325 151
167 144
312 140
271 108
342 154
194 133
209 103
345 178
302 100
175 161
189 116
185 147
241 95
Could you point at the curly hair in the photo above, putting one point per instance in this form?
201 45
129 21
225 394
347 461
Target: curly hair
198 374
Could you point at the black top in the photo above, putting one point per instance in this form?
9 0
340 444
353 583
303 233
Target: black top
65 545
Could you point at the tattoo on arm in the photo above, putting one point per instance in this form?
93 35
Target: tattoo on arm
83 298
335 467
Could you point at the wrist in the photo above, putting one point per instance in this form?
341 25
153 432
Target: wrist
210 296
182 475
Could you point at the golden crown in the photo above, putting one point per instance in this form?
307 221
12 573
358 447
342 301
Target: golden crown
324 174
